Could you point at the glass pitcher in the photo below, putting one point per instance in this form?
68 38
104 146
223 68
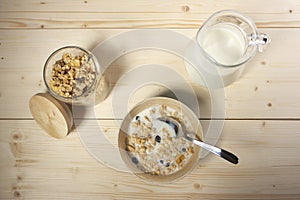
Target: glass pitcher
225 42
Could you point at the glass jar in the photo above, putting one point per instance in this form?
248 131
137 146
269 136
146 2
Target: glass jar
73 75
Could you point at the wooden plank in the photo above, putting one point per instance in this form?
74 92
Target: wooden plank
51 20
267 86
36 166
205 6
140 14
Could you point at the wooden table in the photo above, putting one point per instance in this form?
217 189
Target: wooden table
262 122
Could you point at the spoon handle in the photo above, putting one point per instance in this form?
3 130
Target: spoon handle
229 156
219 152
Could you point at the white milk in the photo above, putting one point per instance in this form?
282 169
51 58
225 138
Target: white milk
225 43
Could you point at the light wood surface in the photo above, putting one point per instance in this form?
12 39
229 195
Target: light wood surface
40 167
267 79
262 121
140 14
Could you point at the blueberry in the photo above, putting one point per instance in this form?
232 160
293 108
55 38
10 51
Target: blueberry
134 160
161 161
137 117
183 149
168 164
157 138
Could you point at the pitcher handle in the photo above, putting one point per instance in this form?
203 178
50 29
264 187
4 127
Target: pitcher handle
262 41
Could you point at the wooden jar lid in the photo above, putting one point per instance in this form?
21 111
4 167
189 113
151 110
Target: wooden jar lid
53 116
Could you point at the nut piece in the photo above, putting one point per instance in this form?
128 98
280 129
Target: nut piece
190 150
130 148
179 159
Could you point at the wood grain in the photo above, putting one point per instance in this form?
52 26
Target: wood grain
74 20
262 108
32 168
268 85
139 14
115 6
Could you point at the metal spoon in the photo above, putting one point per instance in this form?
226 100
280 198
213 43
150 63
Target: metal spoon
180 131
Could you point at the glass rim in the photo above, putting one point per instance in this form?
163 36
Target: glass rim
95 63
234 13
